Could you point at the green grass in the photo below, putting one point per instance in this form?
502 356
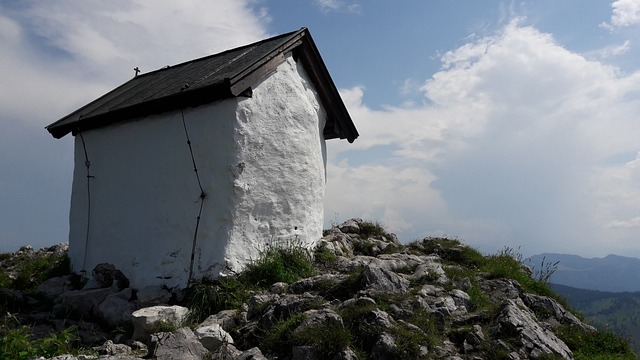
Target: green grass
286 263
16 343
602 345
281 263
372 229
277 339
327 340
204 298
33 270
451 251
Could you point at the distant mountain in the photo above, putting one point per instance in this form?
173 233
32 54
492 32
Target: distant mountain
614 311
612 273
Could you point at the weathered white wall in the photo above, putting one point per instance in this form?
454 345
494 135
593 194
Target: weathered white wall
280 162
261 162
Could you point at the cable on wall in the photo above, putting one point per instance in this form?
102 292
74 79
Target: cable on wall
87 164
201 197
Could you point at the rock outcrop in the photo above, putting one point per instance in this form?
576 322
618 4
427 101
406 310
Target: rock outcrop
370 296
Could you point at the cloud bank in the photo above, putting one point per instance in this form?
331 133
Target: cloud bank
519 141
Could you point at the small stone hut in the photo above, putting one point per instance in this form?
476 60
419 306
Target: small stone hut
193 169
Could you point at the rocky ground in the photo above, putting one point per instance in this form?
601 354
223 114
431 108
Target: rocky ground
370 298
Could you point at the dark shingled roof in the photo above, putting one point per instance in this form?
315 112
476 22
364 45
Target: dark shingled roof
227 74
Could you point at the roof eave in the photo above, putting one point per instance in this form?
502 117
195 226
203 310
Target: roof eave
189 98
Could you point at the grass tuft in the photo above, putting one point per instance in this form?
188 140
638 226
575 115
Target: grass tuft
281 263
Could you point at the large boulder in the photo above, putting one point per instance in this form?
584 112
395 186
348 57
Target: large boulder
380 280
516 320
213 336
116 308
145 320
179 345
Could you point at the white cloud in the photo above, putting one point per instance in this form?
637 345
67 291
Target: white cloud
56 56
510 148
338 6
625 13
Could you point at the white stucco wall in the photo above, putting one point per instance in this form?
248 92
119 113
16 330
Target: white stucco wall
281 151
261 162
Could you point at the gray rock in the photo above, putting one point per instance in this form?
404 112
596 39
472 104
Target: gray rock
82 302
337 243
153 295
515 319
279 288
226 352
145 319
362 301
116 308
251 354
179 345
303 353
347 354
384 348
106 275
213 336
54 287
544 305
351 226
460 298
316 283
258 302
109 348
227 319
378 319
326 317
431 268
380 280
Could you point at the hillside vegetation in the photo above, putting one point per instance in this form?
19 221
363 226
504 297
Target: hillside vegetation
609 311
360 294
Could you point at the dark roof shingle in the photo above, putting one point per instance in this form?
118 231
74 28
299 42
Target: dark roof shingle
211 78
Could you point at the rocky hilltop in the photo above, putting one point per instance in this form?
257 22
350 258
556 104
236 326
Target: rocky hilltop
360 295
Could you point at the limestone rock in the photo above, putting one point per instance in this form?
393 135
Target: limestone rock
179 345
109 348
350 226
384 281
227 319
555 311
303 352
251 354
54 287
226 352
213 336
116 308
144 319
82 302
515 319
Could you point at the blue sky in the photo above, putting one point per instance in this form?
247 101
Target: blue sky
499 123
